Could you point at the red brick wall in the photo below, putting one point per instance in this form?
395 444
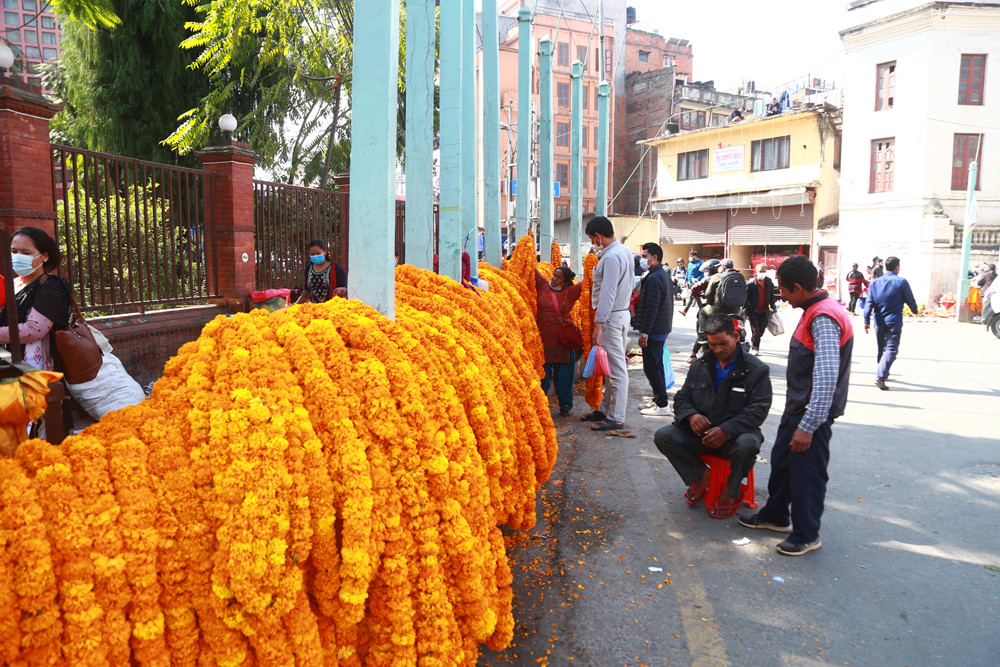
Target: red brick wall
144 343
657 46
648 105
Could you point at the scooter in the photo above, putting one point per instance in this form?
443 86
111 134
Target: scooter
991 313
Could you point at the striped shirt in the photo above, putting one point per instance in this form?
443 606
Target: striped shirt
826 367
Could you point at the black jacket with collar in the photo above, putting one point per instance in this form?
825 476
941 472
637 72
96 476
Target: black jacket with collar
742 402
654 312
770 297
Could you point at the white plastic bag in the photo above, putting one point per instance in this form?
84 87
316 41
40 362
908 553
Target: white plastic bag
112 389
775 325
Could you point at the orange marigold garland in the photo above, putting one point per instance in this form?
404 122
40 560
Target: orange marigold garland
556 257
317 485
594 392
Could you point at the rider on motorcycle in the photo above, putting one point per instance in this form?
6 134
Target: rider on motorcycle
714 301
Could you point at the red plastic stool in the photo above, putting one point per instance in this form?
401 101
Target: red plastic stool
720 477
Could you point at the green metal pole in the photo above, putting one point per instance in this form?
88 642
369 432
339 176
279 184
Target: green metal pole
576 169
546 160
491 134
525 51
604 114
470 212
450 198
420 133
373 154
961 298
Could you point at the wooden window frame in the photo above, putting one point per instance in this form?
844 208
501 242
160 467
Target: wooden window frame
963 152
967 76
562 169
693 165
883 163
562 54
562 100
562 137
885 85
763 149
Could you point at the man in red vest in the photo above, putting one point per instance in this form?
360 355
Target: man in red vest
819 368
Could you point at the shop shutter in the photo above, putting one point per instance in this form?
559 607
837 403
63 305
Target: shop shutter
697 227
780 225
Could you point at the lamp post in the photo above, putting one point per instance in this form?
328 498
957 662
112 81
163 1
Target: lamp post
6 57
227 123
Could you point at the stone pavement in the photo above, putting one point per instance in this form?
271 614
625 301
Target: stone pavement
620 571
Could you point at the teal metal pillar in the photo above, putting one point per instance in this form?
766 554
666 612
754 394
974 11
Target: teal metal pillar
420 24
962 297
603 117
491 134
373 154
450 198
546 232
525 50
576 169
470 175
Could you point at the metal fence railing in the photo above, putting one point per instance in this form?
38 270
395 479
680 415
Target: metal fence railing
134 232
286 218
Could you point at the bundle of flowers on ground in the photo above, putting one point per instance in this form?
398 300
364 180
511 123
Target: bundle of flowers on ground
314 486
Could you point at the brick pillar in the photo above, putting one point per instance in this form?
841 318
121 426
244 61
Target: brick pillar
232 238
25 157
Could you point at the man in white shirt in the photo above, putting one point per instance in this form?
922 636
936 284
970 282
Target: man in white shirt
612 291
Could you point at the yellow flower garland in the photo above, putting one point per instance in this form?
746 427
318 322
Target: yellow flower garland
318 485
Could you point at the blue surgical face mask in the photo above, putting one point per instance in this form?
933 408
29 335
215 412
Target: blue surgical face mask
317 259
23 264
644 264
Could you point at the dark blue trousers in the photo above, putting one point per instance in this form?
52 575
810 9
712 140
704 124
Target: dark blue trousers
652 366
562 376
798 479
887 338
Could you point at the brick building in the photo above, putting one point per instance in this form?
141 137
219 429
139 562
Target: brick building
32 32
653 67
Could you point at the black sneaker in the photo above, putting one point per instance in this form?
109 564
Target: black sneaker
788 548
756 522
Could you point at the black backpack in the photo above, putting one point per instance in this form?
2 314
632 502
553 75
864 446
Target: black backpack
732 290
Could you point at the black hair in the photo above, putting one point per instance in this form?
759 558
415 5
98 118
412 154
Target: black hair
716 324
693 253
321 244
568 274
655 250
45 244
891 263
600 225
798 270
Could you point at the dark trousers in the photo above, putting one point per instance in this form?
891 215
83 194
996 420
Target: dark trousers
758 325
692 299
562 376
887 338
854 302
682 448
798 479
652 366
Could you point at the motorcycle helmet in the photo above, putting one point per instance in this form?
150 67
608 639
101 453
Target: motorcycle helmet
711 266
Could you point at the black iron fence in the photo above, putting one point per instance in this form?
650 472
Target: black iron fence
134 232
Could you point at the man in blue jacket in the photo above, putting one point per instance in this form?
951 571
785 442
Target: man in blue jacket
694 274
886 297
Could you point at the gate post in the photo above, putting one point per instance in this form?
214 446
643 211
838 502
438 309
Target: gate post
26 193
231 239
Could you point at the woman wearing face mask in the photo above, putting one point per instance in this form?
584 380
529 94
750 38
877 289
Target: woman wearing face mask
42 298
555 301
324 278
762 300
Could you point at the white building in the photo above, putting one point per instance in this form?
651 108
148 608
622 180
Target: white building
923 93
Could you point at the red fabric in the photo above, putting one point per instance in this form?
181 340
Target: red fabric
761 296
549 320
829 307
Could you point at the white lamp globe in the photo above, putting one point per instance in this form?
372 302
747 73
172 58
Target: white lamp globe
227 122
6 56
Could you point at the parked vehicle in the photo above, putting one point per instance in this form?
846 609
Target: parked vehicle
991 313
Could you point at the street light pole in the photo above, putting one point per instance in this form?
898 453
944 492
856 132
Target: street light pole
971 217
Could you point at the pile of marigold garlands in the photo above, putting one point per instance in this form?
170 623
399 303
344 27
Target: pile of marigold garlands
314 486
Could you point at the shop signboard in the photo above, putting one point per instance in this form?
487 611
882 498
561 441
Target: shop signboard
729 158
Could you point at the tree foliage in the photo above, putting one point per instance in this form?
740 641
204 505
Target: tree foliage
125 86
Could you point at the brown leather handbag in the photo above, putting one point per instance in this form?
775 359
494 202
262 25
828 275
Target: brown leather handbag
80 354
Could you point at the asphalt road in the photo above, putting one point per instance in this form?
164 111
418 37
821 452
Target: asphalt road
909 572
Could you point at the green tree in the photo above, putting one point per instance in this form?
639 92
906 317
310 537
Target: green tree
124 86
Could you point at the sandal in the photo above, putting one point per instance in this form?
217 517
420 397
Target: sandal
607 425
725 511
595 416
694 494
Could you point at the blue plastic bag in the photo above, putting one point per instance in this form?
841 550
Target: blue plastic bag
668 369
588 368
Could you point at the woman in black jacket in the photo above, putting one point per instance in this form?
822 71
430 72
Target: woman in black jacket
762 300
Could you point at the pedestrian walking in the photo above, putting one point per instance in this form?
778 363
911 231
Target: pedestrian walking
654 316
694 274
762 300
886 297
856 283
817 376
878 267
610 296
555 301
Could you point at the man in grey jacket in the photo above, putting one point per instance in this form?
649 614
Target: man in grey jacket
612 291
654 315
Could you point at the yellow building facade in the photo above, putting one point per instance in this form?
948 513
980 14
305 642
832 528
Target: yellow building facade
754 191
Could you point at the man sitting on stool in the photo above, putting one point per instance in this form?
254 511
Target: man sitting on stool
719 411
